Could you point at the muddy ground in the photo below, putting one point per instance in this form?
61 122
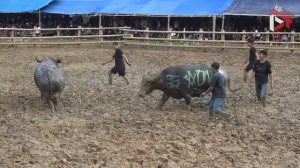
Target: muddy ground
107 126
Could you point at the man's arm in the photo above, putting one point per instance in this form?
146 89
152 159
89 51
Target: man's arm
255 53
126 60
253 70
211 86
208 90
271 82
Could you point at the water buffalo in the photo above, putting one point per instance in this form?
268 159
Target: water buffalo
50 80
182 81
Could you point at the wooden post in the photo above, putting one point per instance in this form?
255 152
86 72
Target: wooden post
147 33
12 34
214 27
222 35
100 33
201 34
100 24
168 28
79 31
244 37
223 21
184 35
223 38
293 36
34 31
58 31
100 28
293 39
40 19
268 36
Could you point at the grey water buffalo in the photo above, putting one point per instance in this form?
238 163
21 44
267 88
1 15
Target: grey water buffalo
50 80
182 81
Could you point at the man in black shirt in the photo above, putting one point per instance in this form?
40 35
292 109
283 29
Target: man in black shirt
253 57
119 67
217 87
263 75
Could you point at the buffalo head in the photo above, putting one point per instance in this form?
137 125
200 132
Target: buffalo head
148 84
56 60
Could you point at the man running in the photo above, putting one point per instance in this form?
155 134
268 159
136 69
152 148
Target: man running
253 57
119 67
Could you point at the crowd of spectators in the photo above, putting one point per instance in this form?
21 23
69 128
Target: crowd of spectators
197 24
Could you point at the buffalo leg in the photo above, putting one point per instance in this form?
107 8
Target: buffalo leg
163 100
42 96
187 99
55 102
50 102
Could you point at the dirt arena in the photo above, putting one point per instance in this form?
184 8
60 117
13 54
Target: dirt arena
108 126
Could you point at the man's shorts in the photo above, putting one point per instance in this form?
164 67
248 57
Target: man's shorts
248 67
119 70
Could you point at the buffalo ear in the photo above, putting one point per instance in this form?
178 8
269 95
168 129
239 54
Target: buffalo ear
58 60
37 60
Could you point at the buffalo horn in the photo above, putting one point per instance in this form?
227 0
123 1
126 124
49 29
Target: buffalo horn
58 60
37 60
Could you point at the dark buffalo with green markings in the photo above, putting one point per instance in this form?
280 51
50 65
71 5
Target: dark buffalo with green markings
182 81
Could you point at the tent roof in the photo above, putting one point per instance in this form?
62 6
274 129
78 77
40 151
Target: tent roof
19 6
167 7
140 7
152 7
262 7
76 6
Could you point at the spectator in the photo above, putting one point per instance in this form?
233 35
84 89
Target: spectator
237 37
263 75
284 38
256 35
253 57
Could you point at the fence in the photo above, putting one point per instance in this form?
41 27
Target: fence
48 36
216 40
198 39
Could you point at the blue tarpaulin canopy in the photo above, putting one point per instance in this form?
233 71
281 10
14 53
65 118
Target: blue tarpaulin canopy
76 6
140 7
262 7
167 7
151 7
19 6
